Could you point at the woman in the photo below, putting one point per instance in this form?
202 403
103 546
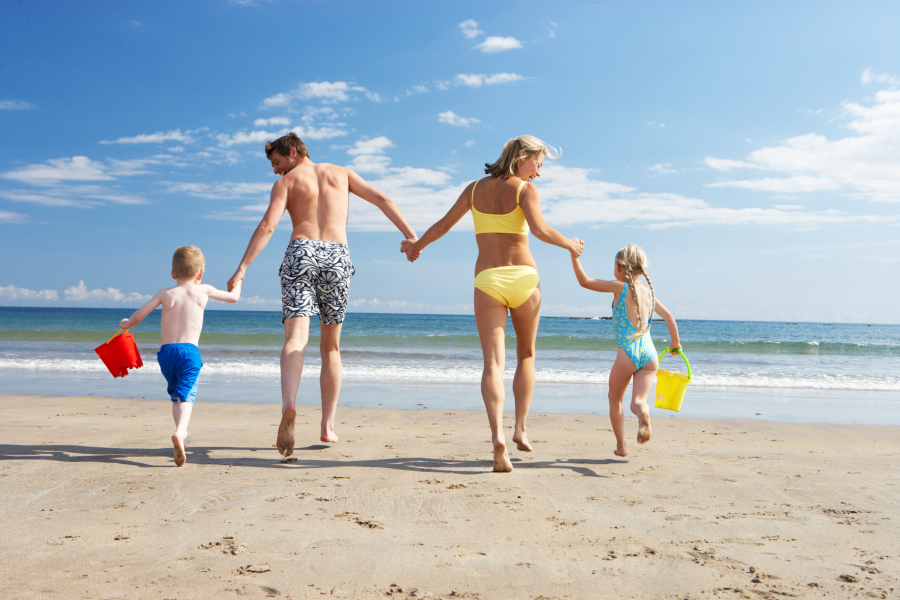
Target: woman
504 207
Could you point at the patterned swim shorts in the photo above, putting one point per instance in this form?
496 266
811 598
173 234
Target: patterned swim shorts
315 280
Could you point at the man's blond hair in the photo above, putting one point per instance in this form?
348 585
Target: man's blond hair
187 262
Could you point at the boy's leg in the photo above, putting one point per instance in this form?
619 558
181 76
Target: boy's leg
330 378
619 377
296 335
643 381
181 412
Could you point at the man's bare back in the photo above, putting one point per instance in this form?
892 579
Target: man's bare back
318 200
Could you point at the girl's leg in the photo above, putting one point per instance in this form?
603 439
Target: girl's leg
619 377
181 412
525 319
643 381
490 316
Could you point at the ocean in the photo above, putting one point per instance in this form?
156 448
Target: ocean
776 370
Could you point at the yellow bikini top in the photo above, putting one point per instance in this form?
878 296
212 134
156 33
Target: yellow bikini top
512 222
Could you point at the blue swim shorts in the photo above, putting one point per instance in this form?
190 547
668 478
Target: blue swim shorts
180 365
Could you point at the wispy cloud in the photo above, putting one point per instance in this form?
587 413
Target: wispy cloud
470 29
220 191
11 292
474 80
11 217
77 168
16 105
273 121
452 118
655 124
863 165
328 92
499 44
869 76
154 138
662 168
81 293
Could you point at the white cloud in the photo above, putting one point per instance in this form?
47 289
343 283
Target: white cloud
328 92
11 217
451 118
80 293
222 190
469 80
420 89
11 292
470 28
44 199
863 165
470 143
273 121
77 168
312 113
499 44
369 155
248 137
374 146
662 168
474 80
655 124
326 132
154 138
868 76
500 78
16 105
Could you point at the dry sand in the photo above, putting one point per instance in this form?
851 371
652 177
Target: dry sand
405 506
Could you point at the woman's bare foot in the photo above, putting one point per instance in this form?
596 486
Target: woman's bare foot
521 441
180 456
620 452
285 441
644 432
187 441
328 435
502 464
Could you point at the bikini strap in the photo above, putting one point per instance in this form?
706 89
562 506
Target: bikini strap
521 185
472 200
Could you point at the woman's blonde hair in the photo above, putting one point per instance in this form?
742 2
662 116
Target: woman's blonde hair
634 261
506 165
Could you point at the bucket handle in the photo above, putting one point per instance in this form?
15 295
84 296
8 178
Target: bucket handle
126 331
680 353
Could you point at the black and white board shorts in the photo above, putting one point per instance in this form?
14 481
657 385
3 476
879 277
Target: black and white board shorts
315 280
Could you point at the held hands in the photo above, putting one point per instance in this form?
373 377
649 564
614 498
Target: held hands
577 247
410 249
236 279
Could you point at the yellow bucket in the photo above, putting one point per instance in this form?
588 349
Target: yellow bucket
670 386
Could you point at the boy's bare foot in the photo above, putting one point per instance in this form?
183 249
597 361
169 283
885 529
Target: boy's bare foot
180 456
285 441
328 435
644 432
521 441
502 464
620 452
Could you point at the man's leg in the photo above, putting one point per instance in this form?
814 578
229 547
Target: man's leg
296 335
330 379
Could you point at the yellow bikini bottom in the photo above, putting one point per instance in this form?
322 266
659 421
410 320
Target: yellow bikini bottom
511 286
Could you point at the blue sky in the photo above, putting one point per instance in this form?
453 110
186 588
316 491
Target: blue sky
753 150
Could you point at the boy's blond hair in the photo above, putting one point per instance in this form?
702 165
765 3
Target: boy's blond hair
187 262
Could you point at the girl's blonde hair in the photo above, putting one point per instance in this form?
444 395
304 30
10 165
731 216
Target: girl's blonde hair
505 166
634 261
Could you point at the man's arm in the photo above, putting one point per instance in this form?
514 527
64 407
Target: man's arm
370 194
260 237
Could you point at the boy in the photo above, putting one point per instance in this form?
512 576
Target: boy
181 322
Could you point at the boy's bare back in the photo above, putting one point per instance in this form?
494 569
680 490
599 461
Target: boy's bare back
182 313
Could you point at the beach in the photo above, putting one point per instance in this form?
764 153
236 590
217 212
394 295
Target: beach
405 506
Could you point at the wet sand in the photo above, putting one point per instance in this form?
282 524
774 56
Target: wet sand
405 506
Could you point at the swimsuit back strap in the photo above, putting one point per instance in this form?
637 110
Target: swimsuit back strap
521 185
472 201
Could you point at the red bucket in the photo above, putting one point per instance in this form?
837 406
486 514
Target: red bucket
119 354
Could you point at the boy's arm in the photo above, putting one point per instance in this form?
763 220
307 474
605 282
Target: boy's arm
370 194
142 312
233 296
662 311
598 285
264 231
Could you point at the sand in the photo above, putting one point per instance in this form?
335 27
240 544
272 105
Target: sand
405 506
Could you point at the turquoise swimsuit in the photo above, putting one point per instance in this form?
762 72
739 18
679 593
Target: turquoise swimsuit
639 350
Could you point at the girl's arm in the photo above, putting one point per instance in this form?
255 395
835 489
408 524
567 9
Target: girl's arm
531 206
142 312
598 285
233 296
662 311
414 248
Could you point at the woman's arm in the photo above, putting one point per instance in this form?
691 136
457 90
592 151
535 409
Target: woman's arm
530 201
598 285
414 248
662 311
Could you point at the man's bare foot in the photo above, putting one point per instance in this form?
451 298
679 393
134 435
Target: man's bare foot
522 443
502 464
180 456
328 435
644 432
285 441
620 452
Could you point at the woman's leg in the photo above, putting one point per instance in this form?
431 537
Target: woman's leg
525 319
619 377
643 381
490 316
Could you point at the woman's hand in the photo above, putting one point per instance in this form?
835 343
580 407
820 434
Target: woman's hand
577 247
410 248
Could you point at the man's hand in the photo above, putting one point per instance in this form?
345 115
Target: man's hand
409 248
235 279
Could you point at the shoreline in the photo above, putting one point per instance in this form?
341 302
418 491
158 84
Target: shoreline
92 500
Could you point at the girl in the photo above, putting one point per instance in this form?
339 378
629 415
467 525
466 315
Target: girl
636 355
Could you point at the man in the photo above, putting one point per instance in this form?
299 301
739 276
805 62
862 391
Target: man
315 274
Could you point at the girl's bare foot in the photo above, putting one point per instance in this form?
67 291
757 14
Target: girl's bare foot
644 432
180 456
620 452
521 441
285 441
502 464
